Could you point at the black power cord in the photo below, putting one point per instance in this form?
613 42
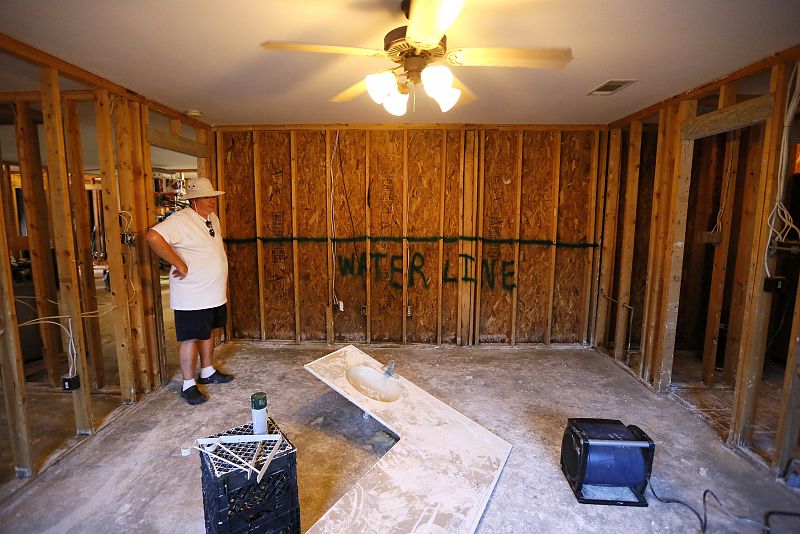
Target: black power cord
771 513
765 526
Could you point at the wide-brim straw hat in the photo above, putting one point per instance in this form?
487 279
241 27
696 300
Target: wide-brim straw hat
200 188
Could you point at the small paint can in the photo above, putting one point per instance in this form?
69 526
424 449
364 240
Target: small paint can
258 406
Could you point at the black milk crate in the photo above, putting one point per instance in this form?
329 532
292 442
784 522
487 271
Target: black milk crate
233 504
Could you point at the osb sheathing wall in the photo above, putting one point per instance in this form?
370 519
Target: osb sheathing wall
424 235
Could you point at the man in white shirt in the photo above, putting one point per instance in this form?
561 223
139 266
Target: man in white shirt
191 241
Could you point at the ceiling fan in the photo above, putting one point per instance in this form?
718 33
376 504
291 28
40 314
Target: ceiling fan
421 54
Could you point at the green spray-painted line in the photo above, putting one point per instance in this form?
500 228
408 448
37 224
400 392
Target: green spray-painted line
410 239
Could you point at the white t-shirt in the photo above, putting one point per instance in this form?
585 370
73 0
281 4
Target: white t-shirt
205 285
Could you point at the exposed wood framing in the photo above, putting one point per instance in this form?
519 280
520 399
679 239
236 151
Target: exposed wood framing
34 199
553 237
757 302
68 70
673 262
295 252
259 245
600 188
590 234
150 283
75 95
626 248
710 87
407 126
130 256
8 198
474 210
405 236
222 207
747 229
518 204
788 432
176 143
329 310
63 237
119 290
727 97
609 236
475 333
12 366
654 254
202 135
80 210
150 219
729 118
468 248
440 274
663 243
367 230
461 215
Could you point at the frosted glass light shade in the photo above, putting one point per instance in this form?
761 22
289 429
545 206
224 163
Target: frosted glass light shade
396 103
436 79
380 85
447 98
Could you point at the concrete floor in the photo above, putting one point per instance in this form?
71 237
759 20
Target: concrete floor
51 411
131 476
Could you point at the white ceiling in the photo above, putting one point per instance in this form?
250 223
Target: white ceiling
205 54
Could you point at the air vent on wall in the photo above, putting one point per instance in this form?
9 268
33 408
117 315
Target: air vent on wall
610 87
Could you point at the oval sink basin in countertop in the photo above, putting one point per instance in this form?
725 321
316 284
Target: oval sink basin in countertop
373 383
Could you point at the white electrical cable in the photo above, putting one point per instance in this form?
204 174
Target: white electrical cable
128 220
333 217
723 199
780 220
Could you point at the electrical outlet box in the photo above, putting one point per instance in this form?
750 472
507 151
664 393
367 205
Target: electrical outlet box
70 383
774 284
341 306
709 238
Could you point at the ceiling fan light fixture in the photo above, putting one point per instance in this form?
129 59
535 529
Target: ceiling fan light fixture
429 20
436 79
380 85
447 99
396 103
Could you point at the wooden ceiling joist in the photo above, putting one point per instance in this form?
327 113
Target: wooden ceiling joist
73 72
714 85
730 118
176 143
36 96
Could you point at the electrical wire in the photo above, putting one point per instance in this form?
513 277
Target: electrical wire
333 217
680 502
723 200
765 526
780 220
776 513
72 352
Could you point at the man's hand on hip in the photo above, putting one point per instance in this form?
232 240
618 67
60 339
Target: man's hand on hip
180 271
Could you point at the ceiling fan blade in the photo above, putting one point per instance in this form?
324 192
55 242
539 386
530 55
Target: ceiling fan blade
324 49
538 58
467 96
351 92
428 20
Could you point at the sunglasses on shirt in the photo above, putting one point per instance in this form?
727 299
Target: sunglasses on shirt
210 229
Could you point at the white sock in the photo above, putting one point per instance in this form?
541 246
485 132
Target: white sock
188 383
205 372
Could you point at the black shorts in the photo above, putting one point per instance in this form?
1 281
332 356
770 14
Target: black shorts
198 324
